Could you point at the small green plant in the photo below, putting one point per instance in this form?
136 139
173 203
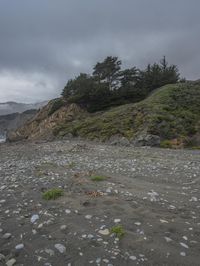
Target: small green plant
98 178
52 194
118 230
166 144
56 104
71 165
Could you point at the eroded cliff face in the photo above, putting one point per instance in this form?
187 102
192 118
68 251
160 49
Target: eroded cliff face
42 125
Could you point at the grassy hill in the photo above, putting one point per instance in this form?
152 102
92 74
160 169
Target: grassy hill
170 115
171 112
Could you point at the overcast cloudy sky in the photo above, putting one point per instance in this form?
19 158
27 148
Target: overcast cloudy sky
43 43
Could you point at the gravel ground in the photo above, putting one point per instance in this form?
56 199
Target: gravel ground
153 194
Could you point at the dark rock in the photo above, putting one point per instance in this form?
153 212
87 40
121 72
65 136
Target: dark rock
119 140
147 140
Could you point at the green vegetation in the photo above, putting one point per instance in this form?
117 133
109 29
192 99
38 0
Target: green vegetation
71 165
166 144
56 104
118 230
171 112
52 194
174 111
110 86
98 178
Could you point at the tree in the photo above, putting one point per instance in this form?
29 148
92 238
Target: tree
170 74
158 75
128 76
107 71
111 86
78 88
84 91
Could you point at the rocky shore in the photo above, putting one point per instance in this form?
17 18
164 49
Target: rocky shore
118 206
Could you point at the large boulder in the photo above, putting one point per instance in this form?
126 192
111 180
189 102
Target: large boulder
147 140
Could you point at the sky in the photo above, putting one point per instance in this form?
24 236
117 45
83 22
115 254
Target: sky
43 43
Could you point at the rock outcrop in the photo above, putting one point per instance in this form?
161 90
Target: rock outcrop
42 125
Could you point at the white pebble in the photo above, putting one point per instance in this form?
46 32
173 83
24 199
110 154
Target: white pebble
34 218
132 258
19 246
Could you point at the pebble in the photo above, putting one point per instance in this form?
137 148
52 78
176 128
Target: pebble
63 227
98 260
184 245
34 218
168 239
132 258
19 246
50 251
88 216
104 232
11 262
6 236
90 236
138 223
163 221
61 248
183 254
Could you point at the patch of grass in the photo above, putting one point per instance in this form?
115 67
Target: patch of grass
56 104
195 147
118 230
52 194
166 144
98 178
71 165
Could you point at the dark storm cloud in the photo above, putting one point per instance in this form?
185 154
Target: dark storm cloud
44 43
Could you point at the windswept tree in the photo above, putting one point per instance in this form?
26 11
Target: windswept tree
84 91
128 77
157 75
107 71
78 89
110 86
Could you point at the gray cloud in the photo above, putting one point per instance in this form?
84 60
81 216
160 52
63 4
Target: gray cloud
44 43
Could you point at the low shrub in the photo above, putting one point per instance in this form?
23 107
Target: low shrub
52 194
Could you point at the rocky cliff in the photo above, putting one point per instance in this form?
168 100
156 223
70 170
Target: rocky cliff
42 125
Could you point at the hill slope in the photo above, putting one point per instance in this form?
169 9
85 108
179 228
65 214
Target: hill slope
171 115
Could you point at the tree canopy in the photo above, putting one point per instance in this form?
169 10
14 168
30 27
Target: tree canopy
109 85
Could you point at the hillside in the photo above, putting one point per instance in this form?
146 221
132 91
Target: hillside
170 116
